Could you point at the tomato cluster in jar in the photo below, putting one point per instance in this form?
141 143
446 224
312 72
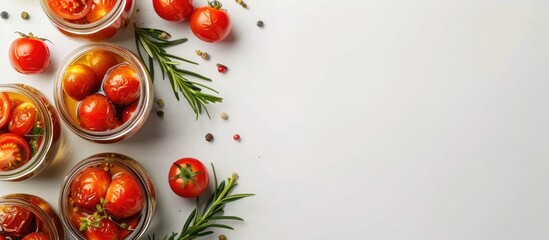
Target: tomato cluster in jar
105 202
21 130
101 90
19 221
81 11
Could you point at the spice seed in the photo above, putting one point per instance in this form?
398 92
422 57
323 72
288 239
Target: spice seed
236 137
25 15
160 113
222 237
160 102
224 116
260 24
4 15
209 137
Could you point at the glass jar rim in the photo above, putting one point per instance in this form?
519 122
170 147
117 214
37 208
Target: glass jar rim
143 107
118 160
38 159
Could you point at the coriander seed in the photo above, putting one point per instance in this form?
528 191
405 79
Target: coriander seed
164 35
222 237
4 15
160 102
25 15
260 24
209 137
224 116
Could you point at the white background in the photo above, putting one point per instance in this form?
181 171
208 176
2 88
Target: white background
404 119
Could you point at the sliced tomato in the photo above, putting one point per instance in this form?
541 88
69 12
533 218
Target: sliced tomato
23 119
71 9
89 186
6 107
124 197
16 221
14 151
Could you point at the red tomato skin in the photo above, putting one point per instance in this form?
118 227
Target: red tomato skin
128 111
210 24
16 221
79 81
6 107
124 197
29 55
121 85
173 10
192 189
70 9
14 151
37 236
100 62
132 223
96 113
99 9
107 230
88 187
23 119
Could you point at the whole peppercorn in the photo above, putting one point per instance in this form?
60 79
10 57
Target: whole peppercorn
160 113
209 137
160 102
260 24
224 116
221 68
25 15
222 237
4 15
236 137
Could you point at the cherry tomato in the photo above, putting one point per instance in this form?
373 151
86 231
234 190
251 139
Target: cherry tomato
80 81
29 54
70 9
89 186
100 62
24 118
122 85
16 221
6 107
2 237
37 236
99 9
14 151
173 10
128 111
210 23
124 232
107 230
96 113
124 197
188 177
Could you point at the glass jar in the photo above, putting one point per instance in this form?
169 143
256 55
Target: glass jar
34 214
68 105
103 21
43 140
114 165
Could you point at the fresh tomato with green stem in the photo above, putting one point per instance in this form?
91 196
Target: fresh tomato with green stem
173 10
210 23
122 85
23 119
188 177
36 236
14 151
29 54
70 9
124 197
103 229
89 187
79 81
96 113
16 221
100 62
6 107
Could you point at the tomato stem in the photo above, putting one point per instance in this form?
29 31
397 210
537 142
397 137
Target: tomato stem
215 4
32 36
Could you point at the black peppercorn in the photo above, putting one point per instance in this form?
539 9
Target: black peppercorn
4 15
209 137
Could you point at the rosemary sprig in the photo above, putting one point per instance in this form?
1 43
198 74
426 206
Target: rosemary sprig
154 42
203 219
36 133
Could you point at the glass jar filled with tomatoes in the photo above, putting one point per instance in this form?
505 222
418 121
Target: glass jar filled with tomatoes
107 196
30 135
25 216
103 93
95 20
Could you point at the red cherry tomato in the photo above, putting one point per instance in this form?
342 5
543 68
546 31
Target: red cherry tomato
14 151
173 10
29 54
16 221
106 230
124 197
24 118
100 62
96 113
89 186
210 24
79 81
70 9
128 111
99 9
188 177
37 236
122 85
6 107
124 232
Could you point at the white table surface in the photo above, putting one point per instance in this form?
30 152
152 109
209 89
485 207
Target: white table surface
405 119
